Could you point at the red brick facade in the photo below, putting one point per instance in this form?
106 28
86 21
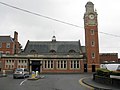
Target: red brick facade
9 45
91 37
5 49
60 62
108 57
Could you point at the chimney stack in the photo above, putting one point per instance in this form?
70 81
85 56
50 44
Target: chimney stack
15 36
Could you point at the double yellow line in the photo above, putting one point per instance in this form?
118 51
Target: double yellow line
85 85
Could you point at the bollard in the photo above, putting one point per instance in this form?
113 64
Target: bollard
4 74
33 74
36 73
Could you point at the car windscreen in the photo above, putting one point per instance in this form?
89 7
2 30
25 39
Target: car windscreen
19 69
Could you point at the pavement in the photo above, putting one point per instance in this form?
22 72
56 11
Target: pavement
97 86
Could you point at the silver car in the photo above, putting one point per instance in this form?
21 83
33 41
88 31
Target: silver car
20 73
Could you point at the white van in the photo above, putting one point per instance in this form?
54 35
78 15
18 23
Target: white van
111 67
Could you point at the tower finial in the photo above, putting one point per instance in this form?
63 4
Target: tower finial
53 39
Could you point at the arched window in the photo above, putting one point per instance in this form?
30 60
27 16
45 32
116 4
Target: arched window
52 51
33 51
72 51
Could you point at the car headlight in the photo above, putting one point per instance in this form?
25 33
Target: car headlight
21 72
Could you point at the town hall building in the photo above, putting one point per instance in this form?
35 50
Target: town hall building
59 56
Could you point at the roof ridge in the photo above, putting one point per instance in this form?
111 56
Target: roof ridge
5 36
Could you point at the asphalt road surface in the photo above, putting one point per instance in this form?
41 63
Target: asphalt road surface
49 82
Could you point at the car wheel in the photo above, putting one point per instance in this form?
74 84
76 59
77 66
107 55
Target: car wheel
24 76
14 77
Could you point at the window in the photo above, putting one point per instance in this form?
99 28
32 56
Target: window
92 32
45 64
25 66
62 64
93 55
51 64
21 66
0 45
52 51
71 64
12 61
12 66
48 64
7 52
18 66
9 67
7 61
75 64
1 51
7 45
25 61
58 64
33 51
72 51
92 43
6 66
19 61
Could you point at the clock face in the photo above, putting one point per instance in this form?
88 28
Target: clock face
91 16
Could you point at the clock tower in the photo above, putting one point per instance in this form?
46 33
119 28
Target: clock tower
91 38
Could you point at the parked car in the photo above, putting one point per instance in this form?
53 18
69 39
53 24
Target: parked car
20 73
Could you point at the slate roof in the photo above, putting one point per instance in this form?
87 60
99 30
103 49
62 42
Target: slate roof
6 39
42 47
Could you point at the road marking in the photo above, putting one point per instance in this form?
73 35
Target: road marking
23 82
80 81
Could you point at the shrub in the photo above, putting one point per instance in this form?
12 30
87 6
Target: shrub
103 72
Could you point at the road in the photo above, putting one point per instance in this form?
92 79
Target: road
50 82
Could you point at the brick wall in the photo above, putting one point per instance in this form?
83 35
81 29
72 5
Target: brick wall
108 57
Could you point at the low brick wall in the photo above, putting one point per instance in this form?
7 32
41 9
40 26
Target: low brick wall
116 82
7 72
106 80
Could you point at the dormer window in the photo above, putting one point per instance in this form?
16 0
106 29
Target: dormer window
72 51
33 51
52 51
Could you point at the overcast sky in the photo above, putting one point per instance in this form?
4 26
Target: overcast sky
32 27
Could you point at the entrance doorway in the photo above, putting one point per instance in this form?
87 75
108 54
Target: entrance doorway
85 67
36 66
93 68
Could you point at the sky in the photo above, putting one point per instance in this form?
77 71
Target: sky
36 28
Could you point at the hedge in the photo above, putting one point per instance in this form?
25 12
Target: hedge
106 72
